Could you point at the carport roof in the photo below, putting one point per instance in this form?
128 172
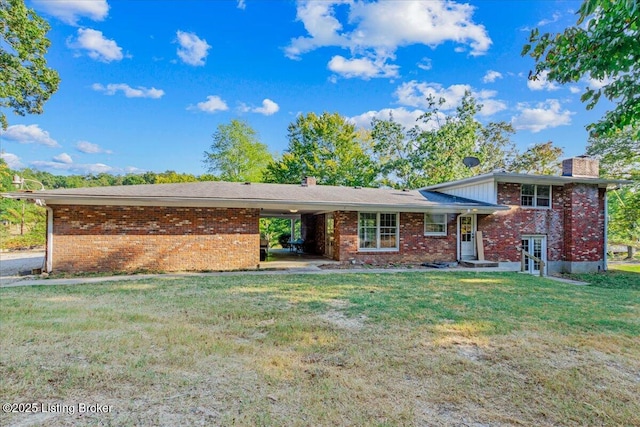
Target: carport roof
269 197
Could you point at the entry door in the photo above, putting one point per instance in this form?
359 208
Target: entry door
467 236
328 244
536 246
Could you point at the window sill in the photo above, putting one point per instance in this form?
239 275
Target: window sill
360 250
435 234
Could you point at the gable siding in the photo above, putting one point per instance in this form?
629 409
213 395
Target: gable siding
482 191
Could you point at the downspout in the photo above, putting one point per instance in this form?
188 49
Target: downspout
49 253
606 230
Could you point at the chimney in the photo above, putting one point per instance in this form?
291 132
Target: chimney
308 181
581 167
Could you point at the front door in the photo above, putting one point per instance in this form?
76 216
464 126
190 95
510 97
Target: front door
536 246
467 236
328 244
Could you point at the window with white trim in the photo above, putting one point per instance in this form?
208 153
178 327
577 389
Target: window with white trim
535 195
377 231
435 224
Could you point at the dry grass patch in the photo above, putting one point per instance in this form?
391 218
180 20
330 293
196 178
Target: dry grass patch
402 349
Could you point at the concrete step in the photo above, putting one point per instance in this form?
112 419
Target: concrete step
474 263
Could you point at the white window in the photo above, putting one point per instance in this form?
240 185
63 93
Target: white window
535 195
435 224
378 231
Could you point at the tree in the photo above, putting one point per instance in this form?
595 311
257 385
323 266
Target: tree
603 45
542 158
620 158
26 82
327 147
236 153
434 153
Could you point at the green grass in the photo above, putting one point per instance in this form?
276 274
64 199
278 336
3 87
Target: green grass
338 349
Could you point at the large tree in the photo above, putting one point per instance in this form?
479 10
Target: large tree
327 147
620 158
434 152
26 82
236 153
604 45
542 158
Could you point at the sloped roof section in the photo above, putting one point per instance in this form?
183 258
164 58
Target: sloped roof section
260 195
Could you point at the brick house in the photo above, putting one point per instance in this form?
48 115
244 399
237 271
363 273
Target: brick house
215 225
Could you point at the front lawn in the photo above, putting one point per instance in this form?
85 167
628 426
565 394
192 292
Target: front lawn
415 348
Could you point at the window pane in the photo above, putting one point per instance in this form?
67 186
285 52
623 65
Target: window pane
544 195
435 223
528 189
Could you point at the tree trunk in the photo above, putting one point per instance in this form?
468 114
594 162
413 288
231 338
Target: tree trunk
630 252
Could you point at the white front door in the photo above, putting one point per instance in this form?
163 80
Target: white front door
467 236
536 246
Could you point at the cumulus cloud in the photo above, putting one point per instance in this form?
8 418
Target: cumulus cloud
211 105
596 84
415 94
268 108
374 32
98 47
544 115
70 11
90 148
425 64
491 76
541 83
79 168
401 115
12 160
364 68
241 4
192 50
63 158
128 91
574 89
29 134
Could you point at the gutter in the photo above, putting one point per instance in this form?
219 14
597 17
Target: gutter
49 251
606 231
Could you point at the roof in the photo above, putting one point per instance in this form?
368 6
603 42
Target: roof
268 197
523 178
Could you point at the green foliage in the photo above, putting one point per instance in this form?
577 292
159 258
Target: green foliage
418 157
236 153
25 81
277 230
541 159
603 45
328 148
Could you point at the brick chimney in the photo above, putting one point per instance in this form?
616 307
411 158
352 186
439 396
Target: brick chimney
581 167
308 181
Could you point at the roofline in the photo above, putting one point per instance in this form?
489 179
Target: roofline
524 178
315 206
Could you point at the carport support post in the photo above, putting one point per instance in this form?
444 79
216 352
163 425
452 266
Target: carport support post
293 229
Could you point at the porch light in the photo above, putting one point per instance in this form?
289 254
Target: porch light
19 182
293 210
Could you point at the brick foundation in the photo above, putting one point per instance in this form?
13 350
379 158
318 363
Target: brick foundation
122 238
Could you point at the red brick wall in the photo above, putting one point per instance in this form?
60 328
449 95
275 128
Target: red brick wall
414 246
574 225
133 238
584 215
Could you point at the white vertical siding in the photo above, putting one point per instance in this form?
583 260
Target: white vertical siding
481 191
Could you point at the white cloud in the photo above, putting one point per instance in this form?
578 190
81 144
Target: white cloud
401 115
364 68
29 134
12 160
554 18
97 46
90 148
268 108
193 50
491 76
574 89
375 31
544 115
596 84
242 4
128 91
79 168
425 64
211 105
415 94
70 11
63 158
541 83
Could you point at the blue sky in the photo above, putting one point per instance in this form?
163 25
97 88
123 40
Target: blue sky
146 83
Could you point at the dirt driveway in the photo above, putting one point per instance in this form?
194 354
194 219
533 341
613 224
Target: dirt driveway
13 264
